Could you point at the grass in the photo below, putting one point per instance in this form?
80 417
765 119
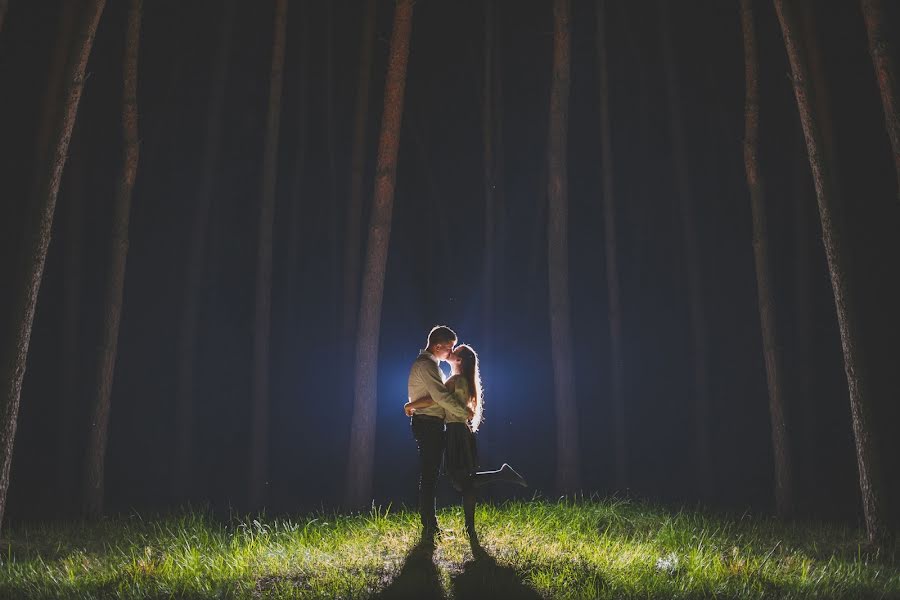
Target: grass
584 549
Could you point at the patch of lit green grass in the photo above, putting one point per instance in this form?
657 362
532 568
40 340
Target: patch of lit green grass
584 549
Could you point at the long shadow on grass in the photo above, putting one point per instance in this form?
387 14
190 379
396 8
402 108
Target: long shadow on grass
418 577
483 577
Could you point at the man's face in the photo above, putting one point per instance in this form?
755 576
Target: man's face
441 351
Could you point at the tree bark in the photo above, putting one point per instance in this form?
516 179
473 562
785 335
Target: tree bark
882 51
70 381
259 425
784 501
187 335
362 428
687 211
353 235
115 284
617 369
870 478
567 469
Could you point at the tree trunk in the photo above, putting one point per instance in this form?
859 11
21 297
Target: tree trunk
362 428
784 501
115 284
617 371
882 51
259 425
353 235
567 470
487 128
702 448
70 381
870 481
187 336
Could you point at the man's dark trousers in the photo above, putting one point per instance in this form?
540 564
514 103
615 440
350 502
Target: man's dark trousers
429 434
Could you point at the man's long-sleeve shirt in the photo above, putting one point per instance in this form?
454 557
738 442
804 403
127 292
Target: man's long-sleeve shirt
425 379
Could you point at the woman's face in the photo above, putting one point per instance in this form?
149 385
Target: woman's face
454 360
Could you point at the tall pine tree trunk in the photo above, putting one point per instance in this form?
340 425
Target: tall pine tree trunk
882 51
353 234
487 128
700 351
784 501
115 283
187 335
259 424
870 479
362 427
617 369
567 470
70 381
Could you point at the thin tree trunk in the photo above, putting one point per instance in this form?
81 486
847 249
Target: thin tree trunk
362 427
115 284
487 125
567 470
870 478
70 382
702 449
259 425
187 341
617 369
353 235
784 500
882 51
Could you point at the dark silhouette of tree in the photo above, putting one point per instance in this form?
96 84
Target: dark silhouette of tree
187 334
617 369
784 501
882 50
567 470
115 283
353 233
259 423
698 325
362 427
871 485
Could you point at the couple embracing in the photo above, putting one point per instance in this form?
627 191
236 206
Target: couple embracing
445 415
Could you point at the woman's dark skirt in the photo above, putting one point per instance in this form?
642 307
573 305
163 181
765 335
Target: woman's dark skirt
460 455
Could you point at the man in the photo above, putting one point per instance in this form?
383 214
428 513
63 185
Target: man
426 379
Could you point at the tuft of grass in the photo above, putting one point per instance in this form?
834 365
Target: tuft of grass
538 549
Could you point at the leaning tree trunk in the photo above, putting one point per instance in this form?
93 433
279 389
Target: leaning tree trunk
353 234
362 426
187 335
567 471
870 480
487 128
882 51
784 500
617 370
259 424
115 284
702 445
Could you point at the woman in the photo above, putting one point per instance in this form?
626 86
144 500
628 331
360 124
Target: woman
461 454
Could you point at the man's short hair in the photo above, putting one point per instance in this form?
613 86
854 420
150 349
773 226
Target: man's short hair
441 334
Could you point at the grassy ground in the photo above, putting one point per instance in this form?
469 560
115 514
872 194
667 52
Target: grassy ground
608 549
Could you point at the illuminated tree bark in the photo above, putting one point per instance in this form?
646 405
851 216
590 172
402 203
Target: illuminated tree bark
259 423
362 427
870 478
187 335
784 501
700 351
567 469
353 234
115 284
617 369
882 51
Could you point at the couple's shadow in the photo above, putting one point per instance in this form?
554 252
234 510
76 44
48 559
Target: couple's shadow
481 577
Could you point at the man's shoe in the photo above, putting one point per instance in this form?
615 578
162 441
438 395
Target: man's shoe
512 475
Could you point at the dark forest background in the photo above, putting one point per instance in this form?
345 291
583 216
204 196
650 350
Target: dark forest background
435 257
